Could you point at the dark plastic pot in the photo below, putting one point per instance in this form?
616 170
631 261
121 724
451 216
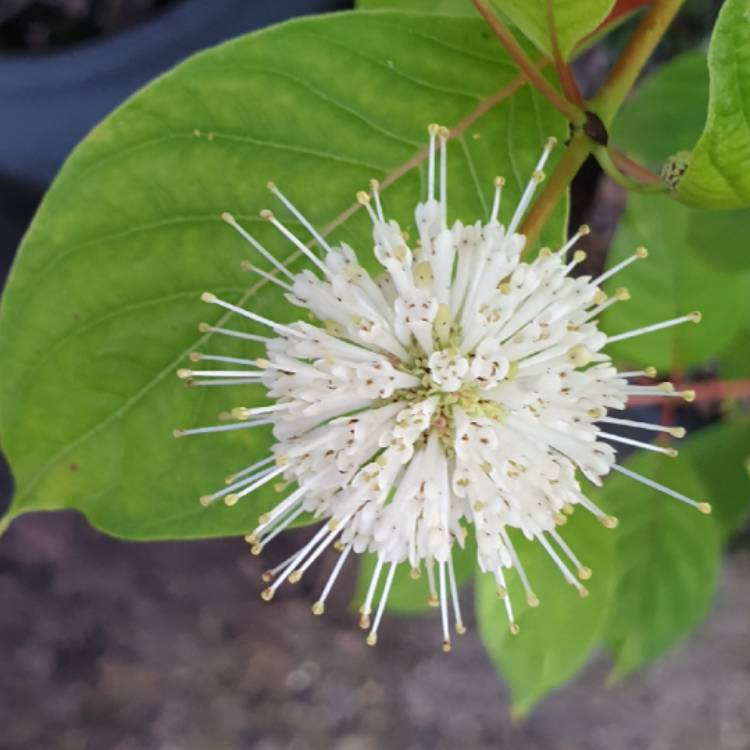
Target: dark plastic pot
50 101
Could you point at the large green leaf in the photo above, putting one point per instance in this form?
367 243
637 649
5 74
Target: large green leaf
574 19
102 304
734 361
674 279
719 456
718 176
667 555
556 639
721 237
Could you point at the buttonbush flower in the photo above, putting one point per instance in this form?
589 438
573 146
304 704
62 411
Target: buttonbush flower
462 387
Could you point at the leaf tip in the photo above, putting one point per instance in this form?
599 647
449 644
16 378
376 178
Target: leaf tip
520 709
5 522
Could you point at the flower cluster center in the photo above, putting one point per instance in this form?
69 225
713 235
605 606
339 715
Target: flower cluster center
440 376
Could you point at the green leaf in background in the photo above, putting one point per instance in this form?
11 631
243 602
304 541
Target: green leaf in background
667 556
666 112
719 455
555 639
672 281
103 301
440 7
409 596
665 116
717 176
574 20
734 361
721 237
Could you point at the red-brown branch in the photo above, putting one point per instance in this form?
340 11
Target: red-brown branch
564 71
627 165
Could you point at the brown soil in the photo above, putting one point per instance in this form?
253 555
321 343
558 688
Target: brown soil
107 645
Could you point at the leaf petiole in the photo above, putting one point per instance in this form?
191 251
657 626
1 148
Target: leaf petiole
567 109
623 75
564 71
605 104
604 156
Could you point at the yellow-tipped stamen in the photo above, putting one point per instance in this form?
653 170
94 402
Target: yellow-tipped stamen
561 566
690 318
229 219
667 451
640 254
536 178
389 396
660 487
383 600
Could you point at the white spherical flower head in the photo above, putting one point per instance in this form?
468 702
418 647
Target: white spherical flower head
462 387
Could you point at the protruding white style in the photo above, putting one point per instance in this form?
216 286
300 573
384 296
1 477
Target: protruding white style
462 386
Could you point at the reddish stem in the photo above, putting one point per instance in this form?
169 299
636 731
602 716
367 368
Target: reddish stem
564 71
567 109
631 167
622 8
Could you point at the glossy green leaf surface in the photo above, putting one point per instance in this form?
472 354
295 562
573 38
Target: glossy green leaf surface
103 303
717 176
734 362
555 639
573 20
667 560
674 280
719 456
720 236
